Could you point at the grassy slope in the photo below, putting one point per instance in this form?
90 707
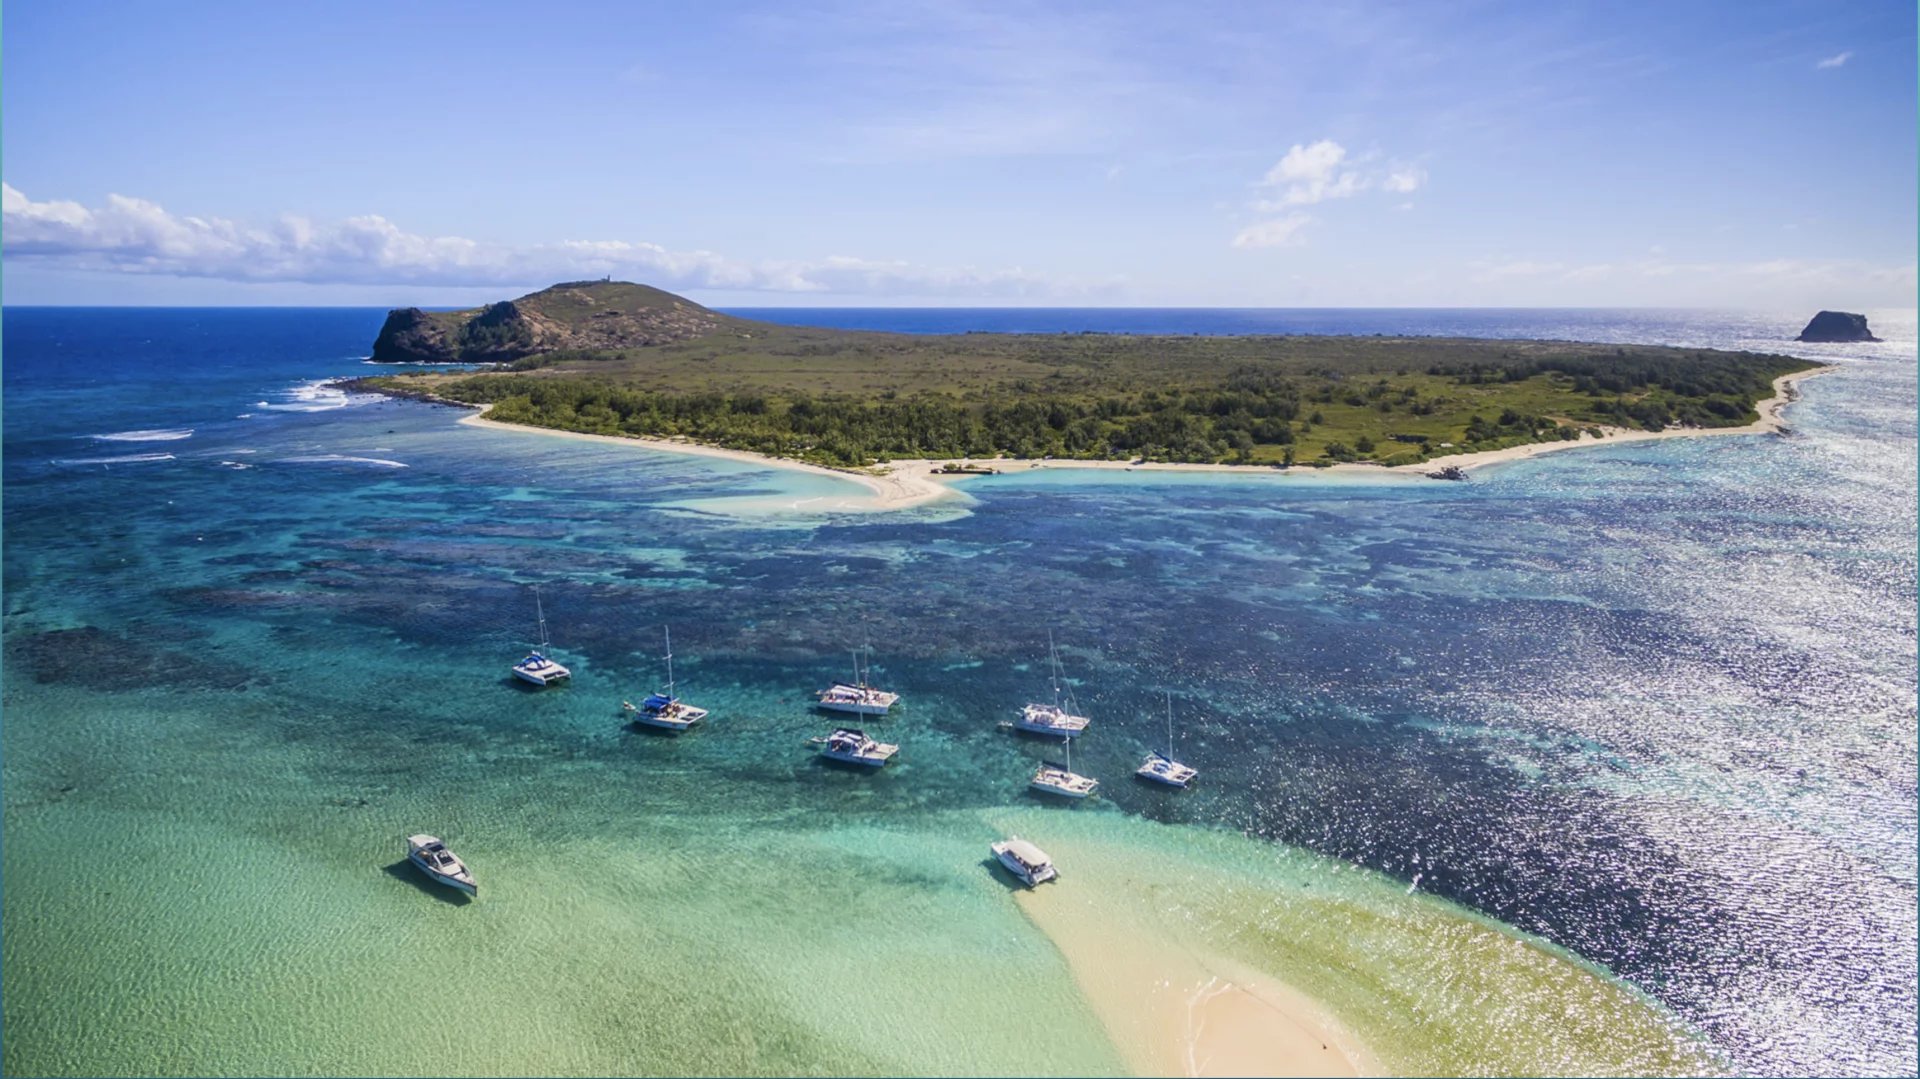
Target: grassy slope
1341 379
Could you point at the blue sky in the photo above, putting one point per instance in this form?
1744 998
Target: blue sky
1752 154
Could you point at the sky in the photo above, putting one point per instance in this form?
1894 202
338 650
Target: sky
1755 154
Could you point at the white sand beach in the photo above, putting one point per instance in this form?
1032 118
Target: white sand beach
906 483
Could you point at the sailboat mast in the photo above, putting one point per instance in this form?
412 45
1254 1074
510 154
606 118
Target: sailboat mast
1053 667
1169 724
669 634
542 610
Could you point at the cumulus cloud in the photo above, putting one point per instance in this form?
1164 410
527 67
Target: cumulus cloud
1279 232
129 235
1836 60
1311 173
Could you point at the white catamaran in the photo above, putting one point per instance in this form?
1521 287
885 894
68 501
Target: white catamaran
1161 767
1056 778
852 746
1052 718
857 696
664 710
537 668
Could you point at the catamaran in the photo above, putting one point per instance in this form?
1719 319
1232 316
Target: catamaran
852 745
857 696
1052 718
537 668
664 710
1161 767
436 861
1024 860
1056 778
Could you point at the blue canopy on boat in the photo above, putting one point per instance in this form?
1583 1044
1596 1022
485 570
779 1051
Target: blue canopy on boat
655 702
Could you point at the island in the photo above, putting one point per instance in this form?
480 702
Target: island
617 359
1837 326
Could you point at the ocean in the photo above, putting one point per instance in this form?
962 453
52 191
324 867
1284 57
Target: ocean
1603 762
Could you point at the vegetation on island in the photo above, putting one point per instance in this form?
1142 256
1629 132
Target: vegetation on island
853 398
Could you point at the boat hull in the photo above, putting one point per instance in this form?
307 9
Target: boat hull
1060 792
1032 878
681 720
856 709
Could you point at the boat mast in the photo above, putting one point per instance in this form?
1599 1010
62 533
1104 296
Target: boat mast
669 634
1053 668
541 608
1169 724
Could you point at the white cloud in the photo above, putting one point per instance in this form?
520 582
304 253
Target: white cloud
1278 232
1836 60
128 235
1405 179
1310 174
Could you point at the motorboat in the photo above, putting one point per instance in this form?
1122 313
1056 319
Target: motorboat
857 696
1161 767
664 710
436 861
854 747
537 668
1054 777
1052 719
1024 860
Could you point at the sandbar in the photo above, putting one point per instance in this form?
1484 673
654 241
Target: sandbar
1172 1010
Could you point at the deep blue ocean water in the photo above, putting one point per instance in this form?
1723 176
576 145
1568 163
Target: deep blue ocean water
1653 703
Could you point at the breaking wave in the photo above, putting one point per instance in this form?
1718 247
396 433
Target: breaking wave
159 434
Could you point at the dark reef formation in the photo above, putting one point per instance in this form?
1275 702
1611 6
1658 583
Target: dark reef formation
1841 326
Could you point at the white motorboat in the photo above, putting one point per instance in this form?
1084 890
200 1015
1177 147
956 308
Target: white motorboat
1161 767
1057 778
854 747
1052 719
537 668
664 710
1024 860
857 696
436 861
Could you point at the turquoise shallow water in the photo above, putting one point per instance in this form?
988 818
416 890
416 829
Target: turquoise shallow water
1653 704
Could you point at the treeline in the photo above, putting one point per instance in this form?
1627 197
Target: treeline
1164 425
1249 414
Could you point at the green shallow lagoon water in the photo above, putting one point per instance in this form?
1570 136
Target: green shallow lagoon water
186 898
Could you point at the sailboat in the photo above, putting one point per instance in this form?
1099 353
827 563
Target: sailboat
664 710
1161 767
1051 718
537 668
857 696
1056 778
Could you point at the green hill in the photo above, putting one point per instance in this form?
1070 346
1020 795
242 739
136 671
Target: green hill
578 315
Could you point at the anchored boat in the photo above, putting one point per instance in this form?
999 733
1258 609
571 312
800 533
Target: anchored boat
1024 860
537 668
436 861
664 710
1161 767
854 747
1052 718
857 696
